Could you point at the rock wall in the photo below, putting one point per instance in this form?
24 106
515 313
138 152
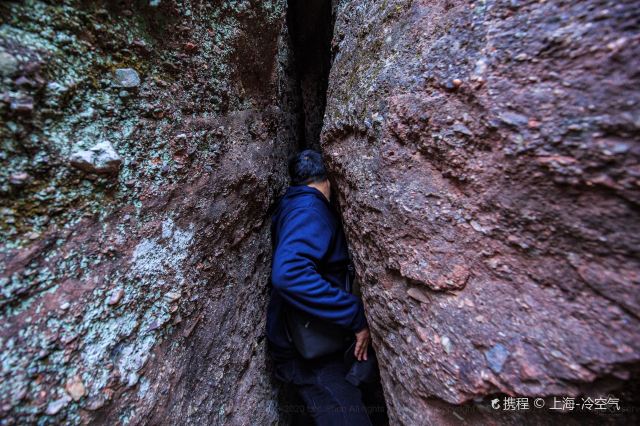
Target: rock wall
486 158
142 142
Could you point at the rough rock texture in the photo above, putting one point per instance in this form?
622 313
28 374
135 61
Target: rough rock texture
486 159
138 295
486 156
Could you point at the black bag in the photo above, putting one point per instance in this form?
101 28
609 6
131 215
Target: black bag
314 337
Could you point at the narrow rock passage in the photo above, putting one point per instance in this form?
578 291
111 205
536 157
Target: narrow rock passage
485 161
310 23
310 30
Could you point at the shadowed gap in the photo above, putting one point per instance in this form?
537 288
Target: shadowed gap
310 24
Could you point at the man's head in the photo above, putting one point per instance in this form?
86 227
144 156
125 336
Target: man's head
307 168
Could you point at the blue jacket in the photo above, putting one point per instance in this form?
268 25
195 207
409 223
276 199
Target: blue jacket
309 266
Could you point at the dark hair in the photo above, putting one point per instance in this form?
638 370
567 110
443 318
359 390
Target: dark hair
306 167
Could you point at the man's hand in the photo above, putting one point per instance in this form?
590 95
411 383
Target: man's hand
362 343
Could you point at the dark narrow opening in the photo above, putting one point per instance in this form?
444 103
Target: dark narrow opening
310 24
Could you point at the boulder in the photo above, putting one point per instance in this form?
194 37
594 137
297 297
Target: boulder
8 64
102 158
127 78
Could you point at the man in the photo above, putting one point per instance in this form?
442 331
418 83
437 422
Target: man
308 272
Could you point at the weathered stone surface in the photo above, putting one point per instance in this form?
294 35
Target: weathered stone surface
139 297
486 159
127 77
54 407
101 158
8 64
75 388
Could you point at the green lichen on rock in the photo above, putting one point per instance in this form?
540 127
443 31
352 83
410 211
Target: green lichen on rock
117 120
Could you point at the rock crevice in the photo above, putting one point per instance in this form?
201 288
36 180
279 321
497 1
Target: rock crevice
484 160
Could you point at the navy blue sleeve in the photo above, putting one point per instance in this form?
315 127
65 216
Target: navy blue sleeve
304 239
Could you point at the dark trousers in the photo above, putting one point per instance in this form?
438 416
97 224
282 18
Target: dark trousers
328 397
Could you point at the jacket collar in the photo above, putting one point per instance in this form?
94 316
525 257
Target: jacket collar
294 190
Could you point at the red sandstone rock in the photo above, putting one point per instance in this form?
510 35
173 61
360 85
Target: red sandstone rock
142 302
495 239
